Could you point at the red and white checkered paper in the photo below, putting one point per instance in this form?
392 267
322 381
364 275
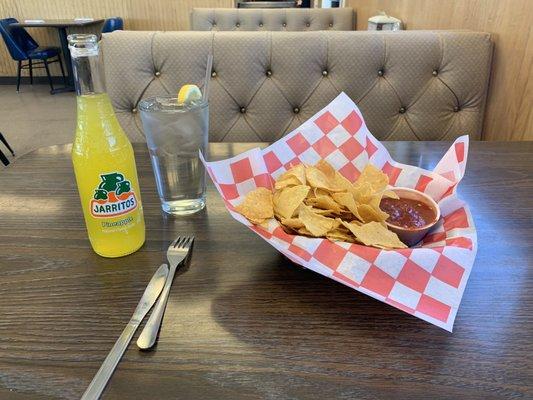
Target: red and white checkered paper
426 281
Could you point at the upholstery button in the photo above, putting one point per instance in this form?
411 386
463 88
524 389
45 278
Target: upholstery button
284 24
134 110
435 72
402 110
157 73
260 24
325 72
269 73
243 110
381 72
237 24
296 110
308 24
456 109
214 74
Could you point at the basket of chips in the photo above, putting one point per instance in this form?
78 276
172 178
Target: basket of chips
326 196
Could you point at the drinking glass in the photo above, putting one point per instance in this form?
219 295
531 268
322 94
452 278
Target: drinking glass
175 133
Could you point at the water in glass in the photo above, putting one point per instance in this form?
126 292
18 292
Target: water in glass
175 133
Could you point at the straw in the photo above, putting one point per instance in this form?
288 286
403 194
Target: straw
205 96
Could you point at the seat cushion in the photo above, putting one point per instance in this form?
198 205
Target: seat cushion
43 53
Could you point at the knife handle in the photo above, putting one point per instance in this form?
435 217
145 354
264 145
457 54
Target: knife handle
149 333
97 386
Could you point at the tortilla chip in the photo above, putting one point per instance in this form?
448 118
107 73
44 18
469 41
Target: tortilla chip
304 231
317 179
292 177
347 200
391 194
257 205
340 234
369 213
362 192
325 203
341 182
293 223
318 225
289 199
335 180
321 192
375 234
310 196
290 181
298 171
375 177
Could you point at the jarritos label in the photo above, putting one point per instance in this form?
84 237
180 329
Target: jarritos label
113 197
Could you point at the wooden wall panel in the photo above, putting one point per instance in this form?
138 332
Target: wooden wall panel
509 114
138 15
510 109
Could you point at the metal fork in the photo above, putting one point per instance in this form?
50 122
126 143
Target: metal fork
176 253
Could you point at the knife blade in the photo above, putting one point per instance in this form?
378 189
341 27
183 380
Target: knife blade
148 299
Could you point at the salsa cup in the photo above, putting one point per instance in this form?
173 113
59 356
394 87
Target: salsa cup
411 236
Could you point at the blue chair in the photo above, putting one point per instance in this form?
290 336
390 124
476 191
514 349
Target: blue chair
3 158
22 47
113 24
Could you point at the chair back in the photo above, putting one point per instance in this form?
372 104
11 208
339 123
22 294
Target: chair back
113 24
18 41
3 158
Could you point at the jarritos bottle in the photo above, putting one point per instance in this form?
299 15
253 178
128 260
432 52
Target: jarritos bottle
103 160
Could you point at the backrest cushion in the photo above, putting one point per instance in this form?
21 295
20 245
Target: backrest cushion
409 85
274 19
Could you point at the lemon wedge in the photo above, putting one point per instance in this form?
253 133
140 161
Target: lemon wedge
188 94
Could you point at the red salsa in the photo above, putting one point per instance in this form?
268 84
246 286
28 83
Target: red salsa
407 213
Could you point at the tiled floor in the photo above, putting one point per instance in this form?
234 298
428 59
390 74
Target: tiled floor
33 118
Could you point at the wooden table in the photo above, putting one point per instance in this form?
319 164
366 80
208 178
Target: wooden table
61 25
243 322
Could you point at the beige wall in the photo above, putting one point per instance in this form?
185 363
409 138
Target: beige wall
510 108
509 114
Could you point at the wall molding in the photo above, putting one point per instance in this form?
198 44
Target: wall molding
25 80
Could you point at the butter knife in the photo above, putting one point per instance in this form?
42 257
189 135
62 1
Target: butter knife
150 295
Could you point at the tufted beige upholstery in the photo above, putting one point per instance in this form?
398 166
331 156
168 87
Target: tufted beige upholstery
409 85
272 19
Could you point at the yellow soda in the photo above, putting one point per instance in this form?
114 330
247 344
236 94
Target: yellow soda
104 164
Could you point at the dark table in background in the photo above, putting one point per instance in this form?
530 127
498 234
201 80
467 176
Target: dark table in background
61 25
243 322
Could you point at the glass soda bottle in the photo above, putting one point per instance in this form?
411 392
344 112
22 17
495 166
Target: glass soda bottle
104 163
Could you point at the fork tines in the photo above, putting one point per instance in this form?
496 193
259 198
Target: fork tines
182 242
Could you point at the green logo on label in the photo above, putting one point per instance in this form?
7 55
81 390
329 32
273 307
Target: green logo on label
113 196
114 182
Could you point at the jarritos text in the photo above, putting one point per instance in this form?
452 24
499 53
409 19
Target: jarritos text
113 197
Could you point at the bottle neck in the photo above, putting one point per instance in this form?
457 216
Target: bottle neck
88 74
97 126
